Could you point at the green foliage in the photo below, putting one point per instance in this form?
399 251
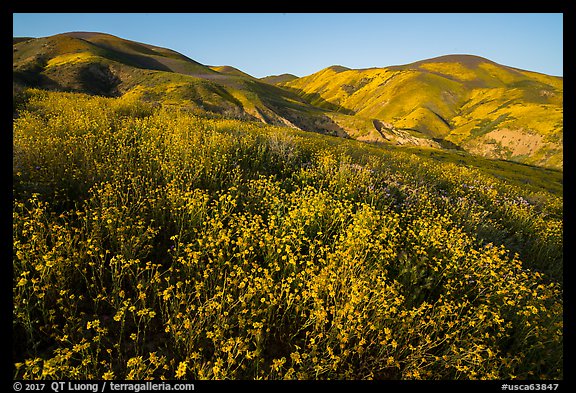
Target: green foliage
456 100
487 125
151 243
460 98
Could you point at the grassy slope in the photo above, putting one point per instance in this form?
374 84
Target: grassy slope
106 65
464 101
459 98
142 55
63 58
229 70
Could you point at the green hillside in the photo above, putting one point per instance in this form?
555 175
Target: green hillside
458 102
106 65
471 102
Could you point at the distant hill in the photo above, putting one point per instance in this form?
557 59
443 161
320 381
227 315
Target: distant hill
16 40
229 70
276 79
103 64
458 102
462 101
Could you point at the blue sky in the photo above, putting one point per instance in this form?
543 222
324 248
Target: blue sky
301 44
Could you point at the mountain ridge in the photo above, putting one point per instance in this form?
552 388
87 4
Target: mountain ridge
103 64
459 101
464 100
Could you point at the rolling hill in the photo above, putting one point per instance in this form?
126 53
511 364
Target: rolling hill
143 236
277 79
458 102
229 70
103 64
162 231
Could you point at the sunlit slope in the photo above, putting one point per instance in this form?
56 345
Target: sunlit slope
474 103
106 65
151 243
458 102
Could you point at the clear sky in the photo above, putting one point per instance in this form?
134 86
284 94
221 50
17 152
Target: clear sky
301 44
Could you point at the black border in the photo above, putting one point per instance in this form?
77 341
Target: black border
526 6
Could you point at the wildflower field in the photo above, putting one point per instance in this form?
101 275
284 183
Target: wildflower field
150 243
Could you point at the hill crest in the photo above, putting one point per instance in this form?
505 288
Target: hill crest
462 101
458 101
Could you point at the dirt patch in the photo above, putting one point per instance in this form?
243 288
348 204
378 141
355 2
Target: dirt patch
517 141
506 143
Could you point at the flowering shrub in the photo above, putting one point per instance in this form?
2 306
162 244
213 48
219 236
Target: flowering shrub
153 244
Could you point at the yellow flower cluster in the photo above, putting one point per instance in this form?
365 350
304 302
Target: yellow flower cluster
155 244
